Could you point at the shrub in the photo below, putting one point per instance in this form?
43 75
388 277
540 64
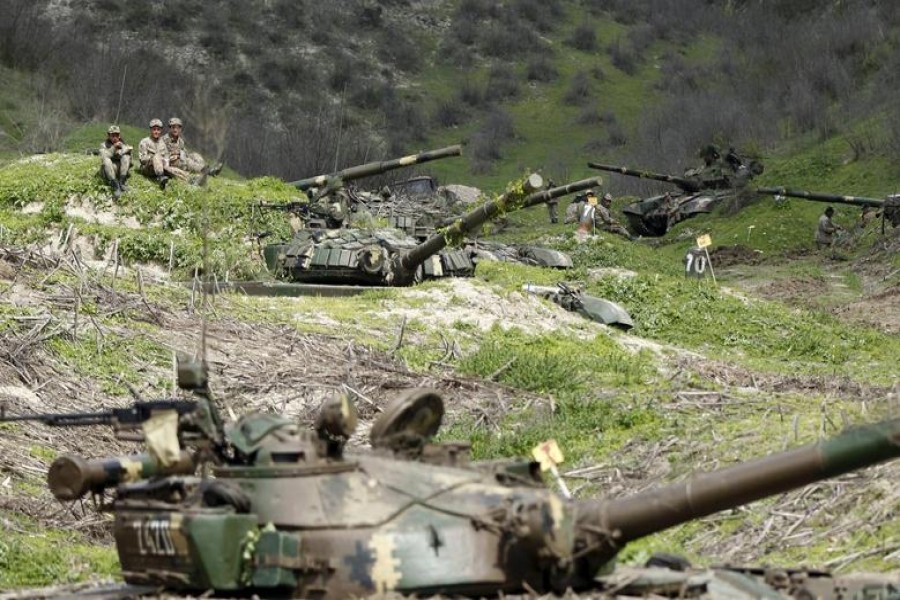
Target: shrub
579 90
449 113
623 57
584 38
502 84
588 116
616 135
401 49
471 93
541 69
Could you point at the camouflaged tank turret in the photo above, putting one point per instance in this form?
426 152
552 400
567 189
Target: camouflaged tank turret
700 190
281 511
372 256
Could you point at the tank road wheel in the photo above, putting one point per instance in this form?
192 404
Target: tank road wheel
372 259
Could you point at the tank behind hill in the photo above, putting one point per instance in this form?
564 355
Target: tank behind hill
700 190
294 513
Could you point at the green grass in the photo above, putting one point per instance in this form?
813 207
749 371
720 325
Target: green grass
32 556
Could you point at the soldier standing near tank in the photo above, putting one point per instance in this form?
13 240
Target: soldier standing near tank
826 229
552 205
115 160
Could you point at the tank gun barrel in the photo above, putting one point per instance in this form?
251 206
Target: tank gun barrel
474 219
685 184
821 196
608 525
375 168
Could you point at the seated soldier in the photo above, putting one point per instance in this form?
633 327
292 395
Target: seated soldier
115 160
179 157
573 211
604 220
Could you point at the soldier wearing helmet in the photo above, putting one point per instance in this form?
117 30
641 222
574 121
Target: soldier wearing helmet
179 157
115 160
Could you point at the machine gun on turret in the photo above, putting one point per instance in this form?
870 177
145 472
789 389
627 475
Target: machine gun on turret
178 433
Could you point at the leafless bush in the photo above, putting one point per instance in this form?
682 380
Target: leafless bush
541 69
892 132
579 90
471 93
510 40
50 115
465 30
615 134
449 113
805 108
456 54
588 116
485 145
400 48
368 15
346 69
502 84
583 38
405 122
623 57
23 40
542 14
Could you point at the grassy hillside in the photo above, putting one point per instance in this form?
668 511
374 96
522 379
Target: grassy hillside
785 347
709 376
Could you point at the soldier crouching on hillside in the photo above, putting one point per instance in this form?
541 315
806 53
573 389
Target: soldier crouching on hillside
115 160
606 222
179 157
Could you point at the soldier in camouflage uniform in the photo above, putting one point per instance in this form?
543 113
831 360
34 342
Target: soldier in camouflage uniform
573 211
179 157
825 230
604 220
154 157
115 160
552 204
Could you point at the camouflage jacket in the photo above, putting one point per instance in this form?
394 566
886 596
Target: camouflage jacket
175 148
150 147
108 150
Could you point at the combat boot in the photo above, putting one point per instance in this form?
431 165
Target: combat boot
122 185
116 189
216 170
162 180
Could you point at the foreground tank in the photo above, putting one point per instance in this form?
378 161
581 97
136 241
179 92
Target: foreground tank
700 190
294 513
387 257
